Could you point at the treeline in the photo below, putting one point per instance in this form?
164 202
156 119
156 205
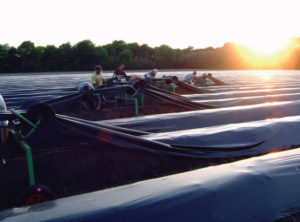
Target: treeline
85 55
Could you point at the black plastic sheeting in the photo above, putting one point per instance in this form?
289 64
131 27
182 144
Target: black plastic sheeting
175 145
115 128
121 138
176 100
220 141
238 141
190 88
103 135
209 117
258 189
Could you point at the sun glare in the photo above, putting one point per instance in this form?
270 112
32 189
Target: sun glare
266 76
273 155
266 52
266 46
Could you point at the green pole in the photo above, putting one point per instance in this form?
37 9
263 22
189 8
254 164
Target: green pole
136 105
27 148
142 100
23 118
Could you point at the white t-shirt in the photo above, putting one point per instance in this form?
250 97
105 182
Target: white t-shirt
83 84
149 75
188 78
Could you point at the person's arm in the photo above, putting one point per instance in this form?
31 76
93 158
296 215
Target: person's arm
4 135
115 74
85 105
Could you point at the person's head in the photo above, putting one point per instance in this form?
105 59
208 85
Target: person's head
122 66
154 72
209 75
194 73
98 69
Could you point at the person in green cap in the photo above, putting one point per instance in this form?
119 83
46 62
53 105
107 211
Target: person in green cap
97 77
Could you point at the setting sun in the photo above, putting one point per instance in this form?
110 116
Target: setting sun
267 46
267 52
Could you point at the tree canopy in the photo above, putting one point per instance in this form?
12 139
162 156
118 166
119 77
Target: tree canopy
85 55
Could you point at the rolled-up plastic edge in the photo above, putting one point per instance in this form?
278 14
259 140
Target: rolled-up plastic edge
258 189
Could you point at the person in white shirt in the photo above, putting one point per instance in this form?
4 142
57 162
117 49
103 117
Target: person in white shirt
89 101
151 74
189 77
85 86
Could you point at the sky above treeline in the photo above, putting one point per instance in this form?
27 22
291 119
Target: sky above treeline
262 24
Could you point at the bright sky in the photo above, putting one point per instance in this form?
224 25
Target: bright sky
178 23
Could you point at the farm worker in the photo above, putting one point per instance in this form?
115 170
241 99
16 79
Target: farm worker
189 77
151 74
97 77
89 100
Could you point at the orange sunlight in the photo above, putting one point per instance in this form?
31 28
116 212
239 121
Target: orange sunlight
270 53
274 155
268 46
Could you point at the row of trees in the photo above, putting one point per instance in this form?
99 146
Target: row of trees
85 55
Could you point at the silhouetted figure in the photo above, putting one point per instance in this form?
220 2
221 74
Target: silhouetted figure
119 71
